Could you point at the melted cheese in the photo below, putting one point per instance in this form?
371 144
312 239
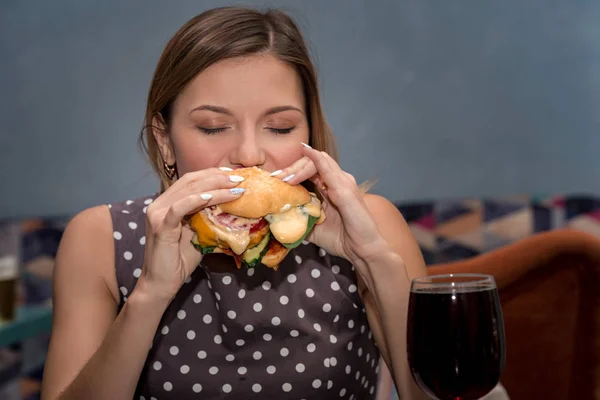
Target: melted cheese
314 207
288 226
237 239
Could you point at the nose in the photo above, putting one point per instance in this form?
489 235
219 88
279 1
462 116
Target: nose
248 151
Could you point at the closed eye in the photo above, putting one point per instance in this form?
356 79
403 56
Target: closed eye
211 131
281 131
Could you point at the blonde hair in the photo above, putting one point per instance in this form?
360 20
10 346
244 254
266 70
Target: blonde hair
223 33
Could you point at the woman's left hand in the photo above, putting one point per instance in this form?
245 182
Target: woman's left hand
349 230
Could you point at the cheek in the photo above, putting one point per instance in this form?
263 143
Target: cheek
194 154
285 156
287 149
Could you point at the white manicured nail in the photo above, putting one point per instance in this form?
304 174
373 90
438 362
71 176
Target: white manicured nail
288 178
274 173
206 196
305 145
225 169
236 191
236 178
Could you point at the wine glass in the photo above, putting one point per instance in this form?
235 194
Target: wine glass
455 335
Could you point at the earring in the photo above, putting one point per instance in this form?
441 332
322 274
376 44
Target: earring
169 170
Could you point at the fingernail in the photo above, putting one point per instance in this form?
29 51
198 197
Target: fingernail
225 169
236 178
274 173
288 178
305 145
237 191
206 196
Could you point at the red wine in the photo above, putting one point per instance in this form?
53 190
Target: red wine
456 341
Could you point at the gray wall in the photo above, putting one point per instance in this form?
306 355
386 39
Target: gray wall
434 98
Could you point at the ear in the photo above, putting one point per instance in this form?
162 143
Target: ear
160 132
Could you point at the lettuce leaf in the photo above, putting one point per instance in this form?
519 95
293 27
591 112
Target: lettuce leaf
311 223
203 250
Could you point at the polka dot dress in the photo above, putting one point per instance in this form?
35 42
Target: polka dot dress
297 333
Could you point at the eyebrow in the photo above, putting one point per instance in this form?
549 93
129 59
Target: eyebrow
223 110
275 110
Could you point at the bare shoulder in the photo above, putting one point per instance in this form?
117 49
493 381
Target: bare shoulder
382 209
86 250
396 231
94 220
84 306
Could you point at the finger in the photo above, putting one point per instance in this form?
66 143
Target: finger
319 184
188 251
218 196
195 202
212 179
339 187
307 171
328 170
287 174
312 236
197 182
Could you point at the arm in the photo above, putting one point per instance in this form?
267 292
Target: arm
386 301
371 233
95 354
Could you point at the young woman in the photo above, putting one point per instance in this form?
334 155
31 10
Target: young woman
140 313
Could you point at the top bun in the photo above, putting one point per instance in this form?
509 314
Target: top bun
264 194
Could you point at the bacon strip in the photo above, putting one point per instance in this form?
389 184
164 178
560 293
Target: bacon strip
237 258
233 222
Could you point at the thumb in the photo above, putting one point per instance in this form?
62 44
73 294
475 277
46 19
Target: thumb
315 234
190 254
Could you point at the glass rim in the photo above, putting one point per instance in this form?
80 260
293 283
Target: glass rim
477 280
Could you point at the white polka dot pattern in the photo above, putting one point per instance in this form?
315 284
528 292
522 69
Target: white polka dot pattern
299 332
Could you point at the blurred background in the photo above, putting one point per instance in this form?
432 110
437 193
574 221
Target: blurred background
479 120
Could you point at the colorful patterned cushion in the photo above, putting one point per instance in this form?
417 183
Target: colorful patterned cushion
450 230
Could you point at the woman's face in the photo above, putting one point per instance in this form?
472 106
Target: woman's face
237 113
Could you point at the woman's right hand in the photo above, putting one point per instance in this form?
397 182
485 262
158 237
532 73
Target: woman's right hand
169 257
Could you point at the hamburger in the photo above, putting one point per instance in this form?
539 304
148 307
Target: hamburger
263 225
